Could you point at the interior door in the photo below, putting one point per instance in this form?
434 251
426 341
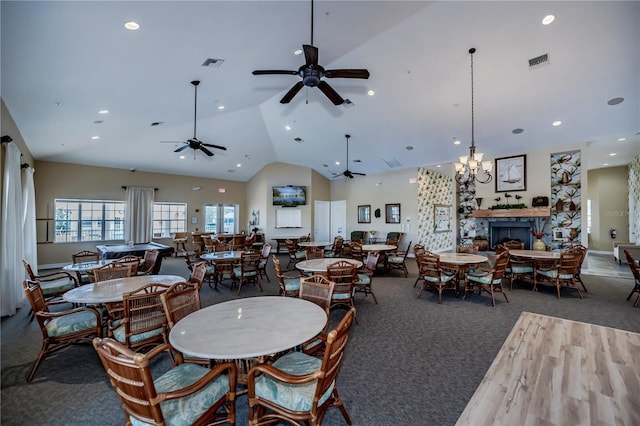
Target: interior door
338 223
322 221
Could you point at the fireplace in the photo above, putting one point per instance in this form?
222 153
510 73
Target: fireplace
502 231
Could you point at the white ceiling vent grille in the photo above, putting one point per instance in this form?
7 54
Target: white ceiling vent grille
392 162
211 62
539 61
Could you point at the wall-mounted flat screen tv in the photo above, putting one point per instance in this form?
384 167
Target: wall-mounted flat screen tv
289 195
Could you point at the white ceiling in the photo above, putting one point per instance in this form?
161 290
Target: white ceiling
64 61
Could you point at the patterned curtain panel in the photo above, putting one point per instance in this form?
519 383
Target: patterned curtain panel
138 221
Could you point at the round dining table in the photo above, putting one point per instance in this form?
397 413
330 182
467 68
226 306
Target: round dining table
222 255
111 291
305 244
535 254
247 328
462 258
320 265
378 247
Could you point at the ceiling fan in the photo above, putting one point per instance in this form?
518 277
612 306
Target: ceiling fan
348 173
312 74
195 143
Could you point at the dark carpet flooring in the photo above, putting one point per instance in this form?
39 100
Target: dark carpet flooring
409 361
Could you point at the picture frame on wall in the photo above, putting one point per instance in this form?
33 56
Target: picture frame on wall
511 173
364 214
441 218
392 213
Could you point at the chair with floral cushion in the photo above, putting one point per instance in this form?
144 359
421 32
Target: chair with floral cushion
112 271
336 248
53 285
314 253
398 260
201 271
356 250
143 322
264 261
295 255
187 394
319 290
82 257
299 388
60 328
149 262
365 277
289 284
418 250
489 281
247 271
344 274
560 275
132 260
433 276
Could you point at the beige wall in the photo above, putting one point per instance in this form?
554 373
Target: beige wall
60 180
609 206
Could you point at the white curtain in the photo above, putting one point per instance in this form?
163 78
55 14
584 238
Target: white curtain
11 269
29 219
139 215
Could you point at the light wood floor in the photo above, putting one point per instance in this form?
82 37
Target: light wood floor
552 371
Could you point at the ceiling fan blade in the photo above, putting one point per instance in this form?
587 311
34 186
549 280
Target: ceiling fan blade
347 73
359 174
330 93
267 72
206 151
310 54
213 146
182 148
291 93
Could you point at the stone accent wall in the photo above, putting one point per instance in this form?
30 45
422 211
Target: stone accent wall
634 200
434 188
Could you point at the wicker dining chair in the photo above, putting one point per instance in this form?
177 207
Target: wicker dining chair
148 262
433 276
187 394
59 328
132 260
264 261
111 271
81 257
344 275
398 260
248 270
314 253
289 285
53 285
489 281
299 388
560 275
319 290
364 283
635 270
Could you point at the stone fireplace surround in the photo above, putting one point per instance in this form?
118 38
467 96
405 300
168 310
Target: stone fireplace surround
503 230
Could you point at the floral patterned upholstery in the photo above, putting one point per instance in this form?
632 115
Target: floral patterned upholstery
185 411
119 334
292 397
443 278
484 279
553 273
291 283
78 321
57 286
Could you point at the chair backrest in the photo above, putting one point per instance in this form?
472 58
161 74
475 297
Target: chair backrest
29 271
149 260
356 250
499 248
357 236
418 249
207 242
372 262
314 253
111 271
85 256
250 262
514 245
466 248
404 253
291 248
134 261
180 236
317 289
635 269
143 312
198 273
569 262
34 294
130 375
304 238
333 353
500 264
265 252
344 275
180 300
187 259
429 265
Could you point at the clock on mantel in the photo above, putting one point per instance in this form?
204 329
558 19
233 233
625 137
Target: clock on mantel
528 212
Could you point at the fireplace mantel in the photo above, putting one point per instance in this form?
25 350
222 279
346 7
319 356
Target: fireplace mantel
530 212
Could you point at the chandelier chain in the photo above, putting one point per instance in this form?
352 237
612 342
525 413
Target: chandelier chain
472 106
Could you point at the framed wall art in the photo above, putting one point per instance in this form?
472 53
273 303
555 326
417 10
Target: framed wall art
441 218
364 214
511 173
392 212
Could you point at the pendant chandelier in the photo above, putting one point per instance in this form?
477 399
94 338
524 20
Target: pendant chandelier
471 168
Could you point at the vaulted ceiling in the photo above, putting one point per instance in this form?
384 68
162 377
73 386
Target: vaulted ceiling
63 62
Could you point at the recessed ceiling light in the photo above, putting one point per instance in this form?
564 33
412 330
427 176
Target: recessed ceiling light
456 142
131 25
221 107
556 123
337 163
517 131
287 127
222 190
238 165
95 137
182 157
548 19
622 139
605 164
439 165
103 111
371 93
612 154
615 101
297 52
409 148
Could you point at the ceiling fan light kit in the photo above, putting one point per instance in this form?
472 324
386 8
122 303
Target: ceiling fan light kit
312 74
469 166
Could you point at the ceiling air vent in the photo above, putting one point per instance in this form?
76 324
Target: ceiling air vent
539 61
211 62
392 162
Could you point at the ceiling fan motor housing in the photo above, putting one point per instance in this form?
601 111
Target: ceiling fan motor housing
311 75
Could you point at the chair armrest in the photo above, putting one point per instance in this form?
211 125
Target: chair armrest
56 276
51 315
229 367
480 273
280 375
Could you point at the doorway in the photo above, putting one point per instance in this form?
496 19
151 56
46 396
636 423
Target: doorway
330 220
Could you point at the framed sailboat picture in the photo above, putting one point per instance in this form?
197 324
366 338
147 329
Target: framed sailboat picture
511 173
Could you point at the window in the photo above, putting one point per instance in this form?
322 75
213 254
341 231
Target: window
169 218
88 220
220 218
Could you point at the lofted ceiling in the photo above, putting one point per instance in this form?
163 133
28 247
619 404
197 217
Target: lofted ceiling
64 61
